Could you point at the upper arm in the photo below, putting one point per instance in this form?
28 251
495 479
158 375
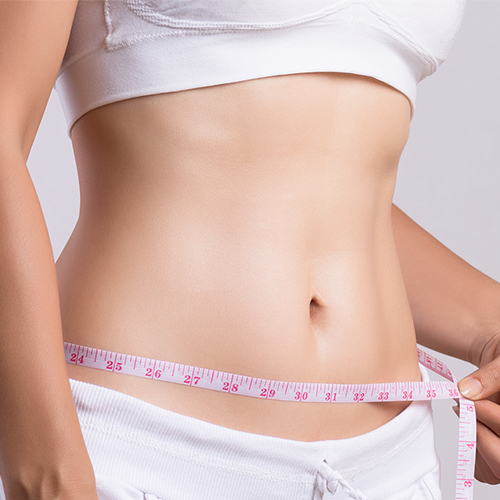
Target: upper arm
33 38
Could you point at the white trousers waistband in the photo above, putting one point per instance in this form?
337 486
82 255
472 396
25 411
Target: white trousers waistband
142 451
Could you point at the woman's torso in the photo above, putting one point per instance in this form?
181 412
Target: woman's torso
245 228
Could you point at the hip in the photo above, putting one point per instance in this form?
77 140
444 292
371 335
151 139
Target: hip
264 416
138 448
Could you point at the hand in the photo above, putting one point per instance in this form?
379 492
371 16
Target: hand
63 478
44 490
483 387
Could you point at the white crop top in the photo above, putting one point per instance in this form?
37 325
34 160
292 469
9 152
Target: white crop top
120 49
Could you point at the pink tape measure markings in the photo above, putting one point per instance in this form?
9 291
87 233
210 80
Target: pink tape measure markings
302 392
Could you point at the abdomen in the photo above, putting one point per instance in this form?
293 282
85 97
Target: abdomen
245 228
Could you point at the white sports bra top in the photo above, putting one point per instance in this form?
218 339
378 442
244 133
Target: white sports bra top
119 49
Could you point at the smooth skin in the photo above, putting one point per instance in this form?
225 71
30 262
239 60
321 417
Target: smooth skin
234 233
245 227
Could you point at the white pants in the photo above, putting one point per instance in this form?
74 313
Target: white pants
143 452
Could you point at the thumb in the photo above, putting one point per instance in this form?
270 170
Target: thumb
482 383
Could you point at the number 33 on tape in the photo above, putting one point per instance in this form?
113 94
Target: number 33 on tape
302 392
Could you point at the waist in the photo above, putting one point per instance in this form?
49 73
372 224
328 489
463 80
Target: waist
257 297
341 317
244 228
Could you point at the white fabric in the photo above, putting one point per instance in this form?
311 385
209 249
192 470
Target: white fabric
330 480
142 452
120 49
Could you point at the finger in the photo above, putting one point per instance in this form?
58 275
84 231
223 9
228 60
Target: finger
483 473
488 413
495 398
488 446
482 383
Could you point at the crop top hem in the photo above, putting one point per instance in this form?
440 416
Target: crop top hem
194 63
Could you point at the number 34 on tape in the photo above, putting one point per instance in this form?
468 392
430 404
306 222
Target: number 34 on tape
302 392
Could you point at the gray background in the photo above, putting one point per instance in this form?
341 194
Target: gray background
448 181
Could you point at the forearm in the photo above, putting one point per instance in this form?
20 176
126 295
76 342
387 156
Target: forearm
41 445
455 307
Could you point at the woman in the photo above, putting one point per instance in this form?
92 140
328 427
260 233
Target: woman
236 167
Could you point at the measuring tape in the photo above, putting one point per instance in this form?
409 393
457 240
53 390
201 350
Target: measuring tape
302 392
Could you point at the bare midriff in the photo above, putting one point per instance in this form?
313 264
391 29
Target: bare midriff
245 228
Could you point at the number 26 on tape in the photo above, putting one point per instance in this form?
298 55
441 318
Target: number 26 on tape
156 374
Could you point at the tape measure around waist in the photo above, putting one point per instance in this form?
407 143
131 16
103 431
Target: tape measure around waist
303 392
